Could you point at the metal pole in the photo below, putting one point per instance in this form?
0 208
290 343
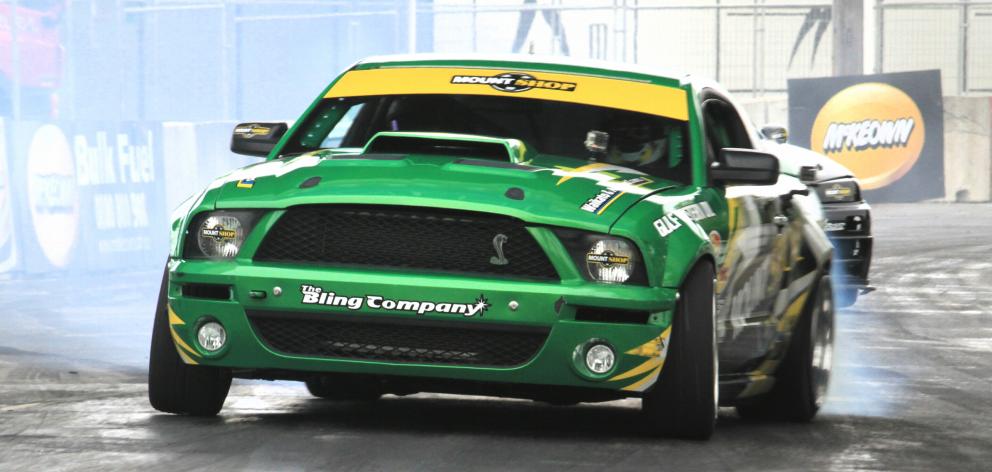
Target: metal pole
67 100
716 74
140 41
848 37
637 29
879 34
225 70
762 55
754 49
475 26
15 64
411 26
963 50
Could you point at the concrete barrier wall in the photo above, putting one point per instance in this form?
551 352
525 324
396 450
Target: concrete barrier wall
968 149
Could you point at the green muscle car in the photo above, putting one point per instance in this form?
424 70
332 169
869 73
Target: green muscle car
507 226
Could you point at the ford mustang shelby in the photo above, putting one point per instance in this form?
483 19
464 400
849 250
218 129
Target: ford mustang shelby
508 227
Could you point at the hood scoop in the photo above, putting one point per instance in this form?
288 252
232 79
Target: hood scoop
448 144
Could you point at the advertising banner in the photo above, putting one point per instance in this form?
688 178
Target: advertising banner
888 129
90 196
8 243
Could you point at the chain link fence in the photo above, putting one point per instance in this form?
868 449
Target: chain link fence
953 36
750 46
237 59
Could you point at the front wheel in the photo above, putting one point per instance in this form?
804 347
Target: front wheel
173 385
685 400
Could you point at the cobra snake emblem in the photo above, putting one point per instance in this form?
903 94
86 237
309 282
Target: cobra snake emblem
498 243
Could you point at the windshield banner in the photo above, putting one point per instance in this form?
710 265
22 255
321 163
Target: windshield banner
888 129
622 94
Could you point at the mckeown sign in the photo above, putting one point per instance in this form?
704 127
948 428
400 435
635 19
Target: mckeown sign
868 134
876 127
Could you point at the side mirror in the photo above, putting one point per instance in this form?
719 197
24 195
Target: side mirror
807 174
775 132
256 139
745 167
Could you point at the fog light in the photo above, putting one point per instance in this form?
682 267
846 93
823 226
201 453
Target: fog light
600 358
211 336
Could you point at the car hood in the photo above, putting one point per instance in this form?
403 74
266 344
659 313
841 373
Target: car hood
791 158
547 190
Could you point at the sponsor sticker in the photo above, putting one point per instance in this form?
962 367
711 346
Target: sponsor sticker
314 295
696 212
219 232
246 183
607 259
252 130
598 203
513 82
838 192
833 226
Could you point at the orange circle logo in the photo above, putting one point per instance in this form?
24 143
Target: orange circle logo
874 129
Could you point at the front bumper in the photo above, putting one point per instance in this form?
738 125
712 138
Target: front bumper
848 226
540 307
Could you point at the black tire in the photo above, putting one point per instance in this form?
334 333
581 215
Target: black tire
174 386
352 390
802 378
683 403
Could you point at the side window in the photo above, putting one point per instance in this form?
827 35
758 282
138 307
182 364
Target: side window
724 127
341 128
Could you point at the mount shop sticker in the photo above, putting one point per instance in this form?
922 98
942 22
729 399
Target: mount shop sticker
696 212
313 295
513 82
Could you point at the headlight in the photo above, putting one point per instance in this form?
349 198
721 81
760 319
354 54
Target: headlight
218 235
839 191
602 258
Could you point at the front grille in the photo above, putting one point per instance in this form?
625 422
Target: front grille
422 239
390 339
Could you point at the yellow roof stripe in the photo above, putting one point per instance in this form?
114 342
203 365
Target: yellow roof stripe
629 95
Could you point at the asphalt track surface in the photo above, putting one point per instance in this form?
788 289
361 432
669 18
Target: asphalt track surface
912 388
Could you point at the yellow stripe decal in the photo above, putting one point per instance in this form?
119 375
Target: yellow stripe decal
641 97
186 358
174 320
645 382
653 348
644 367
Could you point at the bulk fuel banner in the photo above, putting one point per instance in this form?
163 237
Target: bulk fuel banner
8 243
86 196
888 129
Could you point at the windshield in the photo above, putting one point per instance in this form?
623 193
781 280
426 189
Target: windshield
649 143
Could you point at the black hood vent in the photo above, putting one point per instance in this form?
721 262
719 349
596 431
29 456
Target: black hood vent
438 147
